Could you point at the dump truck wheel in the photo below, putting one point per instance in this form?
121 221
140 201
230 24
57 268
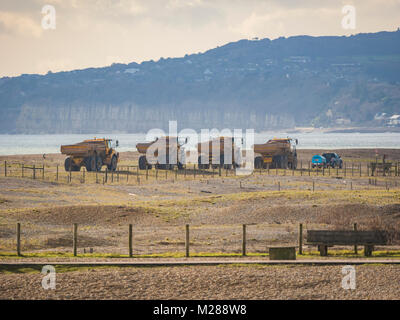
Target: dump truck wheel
114 163
99 163
142 163
221 160
67 164
90 163
200 164
258 162
284 162
93 163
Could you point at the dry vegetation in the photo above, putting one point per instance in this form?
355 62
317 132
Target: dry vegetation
215 207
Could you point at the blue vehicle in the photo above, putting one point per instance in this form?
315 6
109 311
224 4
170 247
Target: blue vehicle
318 161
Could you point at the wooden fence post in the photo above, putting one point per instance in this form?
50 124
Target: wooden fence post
22 171
301 238
279 186
244 241
352 168
43 172
355 246
75 239
57 174
18 239
313 186
187 240
34 172
5 168
130 241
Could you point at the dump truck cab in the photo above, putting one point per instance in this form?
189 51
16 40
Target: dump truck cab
92 153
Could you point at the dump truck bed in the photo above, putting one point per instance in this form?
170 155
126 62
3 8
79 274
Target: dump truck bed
84 148
169 141
213 145
271 147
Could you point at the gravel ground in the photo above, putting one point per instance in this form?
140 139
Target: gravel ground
197 282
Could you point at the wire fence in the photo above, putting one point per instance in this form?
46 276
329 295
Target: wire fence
140 241
130 174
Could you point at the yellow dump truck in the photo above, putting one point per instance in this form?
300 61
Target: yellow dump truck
276 153
92 154
161 153
214 153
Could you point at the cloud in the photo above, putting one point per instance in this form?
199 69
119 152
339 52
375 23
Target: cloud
15 23
97 32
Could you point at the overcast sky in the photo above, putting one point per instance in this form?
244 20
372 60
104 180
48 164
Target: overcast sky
94 33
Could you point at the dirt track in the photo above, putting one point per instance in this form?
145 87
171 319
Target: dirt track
220 282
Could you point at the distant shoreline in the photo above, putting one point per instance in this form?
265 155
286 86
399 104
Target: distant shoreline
346 130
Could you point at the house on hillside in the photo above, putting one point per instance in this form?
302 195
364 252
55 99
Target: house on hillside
394 120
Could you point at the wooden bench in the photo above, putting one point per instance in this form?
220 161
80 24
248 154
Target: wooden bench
329 238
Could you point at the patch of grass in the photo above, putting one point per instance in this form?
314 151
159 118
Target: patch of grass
351 254
12 255
4 269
